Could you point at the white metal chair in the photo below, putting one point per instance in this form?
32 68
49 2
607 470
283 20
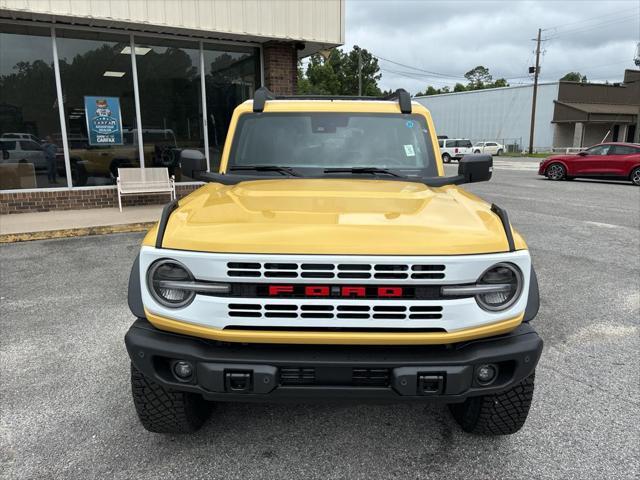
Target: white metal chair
143 181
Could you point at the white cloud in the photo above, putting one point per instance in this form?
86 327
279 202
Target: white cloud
451 37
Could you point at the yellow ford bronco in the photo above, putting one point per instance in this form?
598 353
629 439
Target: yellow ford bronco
331 258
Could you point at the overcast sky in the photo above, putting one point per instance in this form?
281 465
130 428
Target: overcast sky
597 38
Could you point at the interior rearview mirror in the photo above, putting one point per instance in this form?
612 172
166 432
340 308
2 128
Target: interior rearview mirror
475 168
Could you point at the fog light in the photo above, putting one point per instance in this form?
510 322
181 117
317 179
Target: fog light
183 370
485 374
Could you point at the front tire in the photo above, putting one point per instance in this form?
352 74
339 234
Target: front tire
163 410
556 171
446 158
500 152
476 151
503 413
635 176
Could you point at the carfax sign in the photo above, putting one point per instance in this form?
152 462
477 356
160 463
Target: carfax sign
104 121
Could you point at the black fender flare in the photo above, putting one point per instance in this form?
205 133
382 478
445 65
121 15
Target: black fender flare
533 300
134 296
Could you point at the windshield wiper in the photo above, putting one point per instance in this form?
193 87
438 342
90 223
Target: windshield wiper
364 170
266 168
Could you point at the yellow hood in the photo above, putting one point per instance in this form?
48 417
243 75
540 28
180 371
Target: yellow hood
334 216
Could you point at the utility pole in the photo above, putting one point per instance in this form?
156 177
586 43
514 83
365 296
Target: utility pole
359 72
535 91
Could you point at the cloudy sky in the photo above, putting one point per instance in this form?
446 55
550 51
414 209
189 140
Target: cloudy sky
436 42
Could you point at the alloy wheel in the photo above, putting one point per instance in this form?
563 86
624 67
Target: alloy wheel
555 171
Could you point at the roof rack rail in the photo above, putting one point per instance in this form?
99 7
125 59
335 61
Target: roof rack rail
263 94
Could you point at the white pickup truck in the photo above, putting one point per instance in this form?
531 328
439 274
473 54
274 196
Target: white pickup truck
454 148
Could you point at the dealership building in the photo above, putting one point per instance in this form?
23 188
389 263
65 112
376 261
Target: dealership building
88 87
568 114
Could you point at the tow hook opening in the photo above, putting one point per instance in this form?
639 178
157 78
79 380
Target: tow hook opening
238 382
430 384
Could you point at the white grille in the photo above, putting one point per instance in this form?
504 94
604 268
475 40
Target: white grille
343 311
339 271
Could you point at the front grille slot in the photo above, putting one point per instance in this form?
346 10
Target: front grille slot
316 266
372 377
297 376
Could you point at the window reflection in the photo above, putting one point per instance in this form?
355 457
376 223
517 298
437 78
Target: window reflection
97 65
171 105
30 141
230 79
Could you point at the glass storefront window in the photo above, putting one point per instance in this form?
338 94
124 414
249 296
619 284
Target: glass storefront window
171 105
97 84
231 77
97 87
31 154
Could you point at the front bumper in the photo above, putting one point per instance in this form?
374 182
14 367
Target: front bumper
243 372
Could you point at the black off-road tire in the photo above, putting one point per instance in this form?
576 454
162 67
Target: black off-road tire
446 158
162 410
499 414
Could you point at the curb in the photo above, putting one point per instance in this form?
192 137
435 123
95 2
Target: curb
75 232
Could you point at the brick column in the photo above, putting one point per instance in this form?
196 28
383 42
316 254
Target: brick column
280 67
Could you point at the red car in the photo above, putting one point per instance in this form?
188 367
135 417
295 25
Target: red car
614 161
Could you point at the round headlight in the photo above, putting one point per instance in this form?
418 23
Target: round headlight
161 275
507 278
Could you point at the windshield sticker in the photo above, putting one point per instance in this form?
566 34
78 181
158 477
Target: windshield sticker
408 151
409 123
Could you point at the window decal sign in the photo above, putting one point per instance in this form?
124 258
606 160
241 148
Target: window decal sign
104 120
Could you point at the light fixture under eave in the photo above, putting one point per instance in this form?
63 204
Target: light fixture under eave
139 50
109 73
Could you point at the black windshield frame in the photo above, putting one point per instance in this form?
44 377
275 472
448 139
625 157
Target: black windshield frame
428 157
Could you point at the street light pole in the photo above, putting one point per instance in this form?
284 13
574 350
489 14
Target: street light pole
535 92
359 72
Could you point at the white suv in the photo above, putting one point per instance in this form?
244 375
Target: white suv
454 148
493 148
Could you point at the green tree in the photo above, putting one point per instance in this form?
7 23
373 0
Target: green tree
478 78
458 87
574 77
338 74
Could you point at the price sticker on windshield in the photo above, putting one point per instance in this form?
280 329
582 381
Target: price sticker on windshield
409 151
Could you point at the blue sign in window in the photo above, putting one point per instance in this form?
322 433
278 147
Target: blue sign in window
104 120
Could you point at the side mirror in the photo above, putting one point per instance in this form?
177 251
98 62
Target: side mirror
583 153
475 168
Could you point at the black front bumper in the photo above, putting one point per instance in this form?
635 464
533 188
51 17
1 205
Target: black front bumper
248 372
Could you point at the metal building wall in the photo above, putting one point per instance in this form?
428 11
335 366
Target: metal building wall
495 114
305 20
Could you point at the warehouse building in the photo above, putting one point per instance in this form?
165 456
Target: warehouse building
568 114
88 87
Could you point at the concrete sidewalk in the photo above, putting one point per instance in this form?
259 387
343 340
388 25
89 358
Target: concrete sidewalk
71 223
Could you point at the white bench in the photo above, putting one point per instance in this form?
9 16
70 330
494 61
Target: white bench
142 181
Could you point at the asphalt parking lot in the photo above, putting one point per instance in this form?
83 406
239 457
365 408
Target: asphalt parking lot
66 410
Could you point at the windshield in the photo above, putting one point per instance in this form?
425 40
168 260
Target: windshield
313 142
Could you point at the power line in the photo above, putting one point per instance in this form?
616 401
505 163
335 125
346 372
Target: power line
438 74
593 27
591 19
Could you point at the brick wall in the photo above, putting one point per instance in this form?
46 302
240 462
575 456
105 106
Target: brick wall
280 67
46 200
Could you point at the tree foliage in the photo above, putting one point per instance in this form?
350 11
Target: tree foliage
574 77
338 74
478 78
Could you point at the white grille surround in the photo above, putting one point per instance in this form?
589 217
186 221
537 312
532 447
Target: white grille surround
227 312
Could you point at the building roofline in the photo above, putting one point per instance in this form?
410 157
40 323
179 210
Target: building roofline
486 90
